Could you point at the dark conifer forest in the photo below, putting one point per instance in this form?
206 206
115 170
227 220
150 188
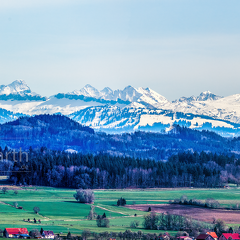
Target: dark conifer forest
61 169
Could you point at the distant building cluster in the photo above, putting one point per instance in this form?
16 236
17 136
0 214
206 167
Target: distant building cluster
213 236
24 234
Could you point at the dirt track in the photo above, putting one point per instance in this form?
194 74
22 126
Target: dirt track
202 214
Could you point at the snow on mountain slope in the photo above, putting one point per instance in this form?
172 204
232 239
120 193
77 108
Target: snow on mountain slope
196 122
204 96
225 108
15 106
7 116
152 97
108 118
114 119
64 106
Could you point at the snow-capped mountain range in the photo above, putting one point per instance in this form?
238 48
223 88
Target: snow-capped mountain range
129 109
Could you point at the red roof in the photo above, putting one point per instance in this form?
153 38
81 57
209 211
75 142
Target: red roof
233 235
17 230
213 234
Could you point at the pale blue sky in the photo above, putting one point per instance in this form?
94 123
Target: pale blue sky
176 47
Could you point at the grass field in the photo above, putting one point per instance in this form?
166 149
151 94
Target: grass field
60 212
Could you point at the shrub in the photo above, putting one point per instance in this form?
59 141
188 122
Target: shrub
86 233
134 224
183 198
212 203
102 222
4 190
121 202
34 233
235 206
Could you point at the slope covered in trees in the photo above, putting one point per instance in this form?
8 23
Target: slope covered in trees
58 132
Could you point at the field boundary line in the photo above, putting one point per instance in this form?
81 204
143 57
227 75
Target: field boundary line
109 210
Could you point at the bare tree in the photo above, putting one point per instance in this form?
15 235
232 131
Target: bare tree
84 196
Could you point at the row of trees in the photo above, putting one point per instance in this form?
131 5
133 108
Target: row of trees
209 203
61 169
180 223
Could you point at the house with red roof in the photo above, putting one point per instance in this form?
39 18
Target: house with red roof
226 236
15 232
213 234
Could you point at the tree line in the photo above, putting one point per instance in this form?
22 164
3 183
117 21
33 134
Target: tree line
86 171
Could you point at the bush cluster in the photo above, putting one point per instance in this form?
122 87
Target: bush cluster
209 203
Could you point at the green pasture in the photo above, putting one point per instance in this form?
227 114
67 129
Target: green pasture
60 212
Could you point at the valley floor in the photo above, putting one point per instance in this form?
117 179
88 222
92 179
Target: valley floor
60 212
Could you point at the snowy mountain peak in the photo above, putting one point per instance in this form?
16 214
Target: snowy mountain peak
106 91
87 91
204 96
18 90
151 97
207 95
16 87
128 94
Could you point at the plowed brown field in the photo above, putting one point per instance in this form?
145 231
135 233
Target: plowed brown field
202 214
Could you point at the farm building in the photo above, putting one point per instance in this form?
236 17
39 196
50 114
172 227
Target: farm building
205 237
226 236
48 234
16 233
213 234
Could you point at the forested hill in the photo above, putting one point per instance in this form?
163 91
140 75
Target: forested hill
57 132
48 123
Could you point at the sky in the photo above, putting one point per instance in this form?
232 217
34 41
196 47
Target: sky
175 47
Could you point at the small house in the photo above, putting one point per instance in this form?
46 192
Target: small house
15 232
226 236
204 237
48 234
213 234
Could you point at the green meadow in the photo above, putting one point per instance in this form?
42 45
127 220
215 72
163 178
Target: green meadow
60 212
